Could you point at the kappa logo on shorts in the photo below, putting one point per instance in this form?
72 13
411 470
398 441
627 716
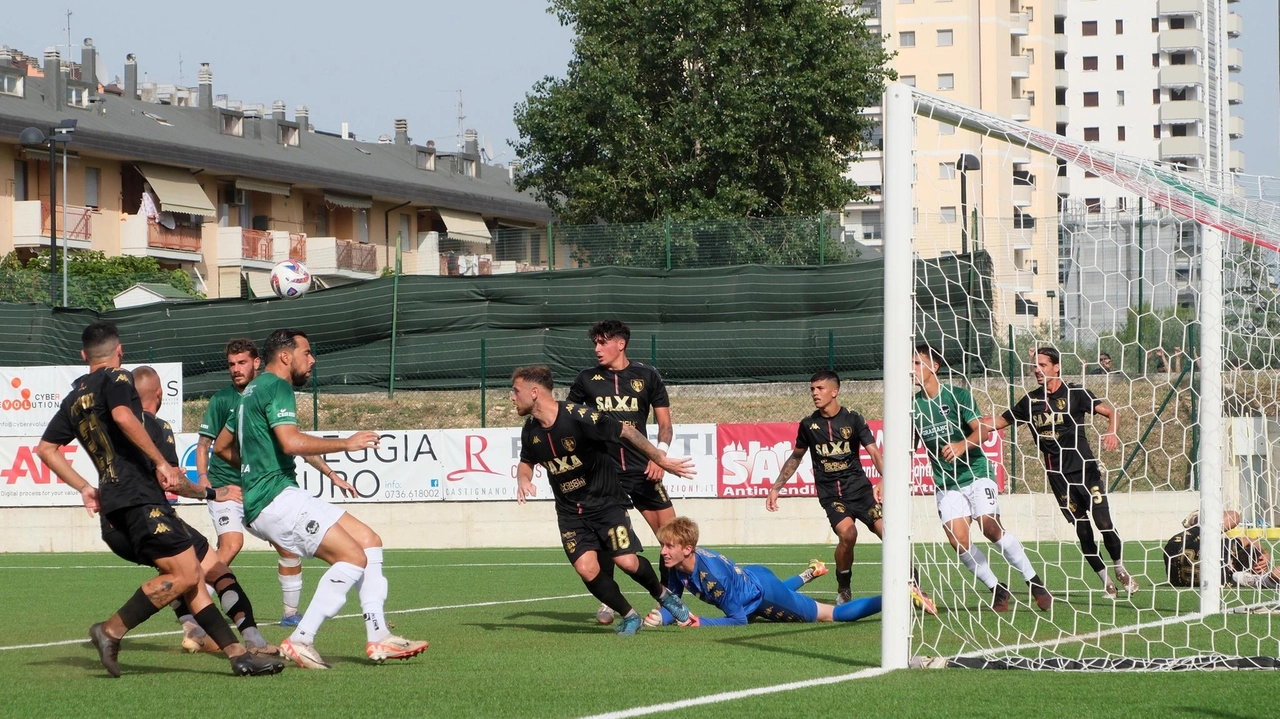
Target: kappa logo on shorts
313 526
570 546
637 385
568 535
224 521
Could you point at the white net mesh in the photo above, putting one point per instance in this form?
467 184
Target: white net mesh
1100 256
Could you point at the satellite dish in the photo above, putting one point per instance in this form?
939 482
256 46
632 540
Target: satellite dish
486 150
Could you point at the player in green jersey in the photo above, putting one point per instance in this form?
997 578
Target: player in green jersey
262 438
965 488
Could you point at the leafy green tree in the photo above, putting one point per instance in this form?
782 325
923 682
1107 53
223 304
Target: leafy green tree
93 278
702 109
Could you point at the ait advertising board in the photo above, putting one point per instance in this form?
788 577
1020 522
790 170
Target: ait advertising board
731 461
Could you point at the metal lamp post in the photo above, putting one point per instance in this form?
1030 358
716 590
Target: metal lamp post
964 164
33 137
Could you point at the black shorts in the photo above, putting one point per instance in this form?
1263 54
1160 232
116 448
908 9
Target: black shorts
149 532
607 532
1080 491
645 495
860 505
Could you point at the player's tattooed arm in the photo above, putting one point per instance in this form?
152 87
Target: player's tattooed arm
665 434
229 493
51 455
202 459
679 466
784 475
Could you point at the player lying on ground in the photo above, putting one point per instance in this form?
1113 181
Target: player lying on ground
966 491
235 602
742 593
1058 415
627 391
104 413
1245 562
572 443
262 438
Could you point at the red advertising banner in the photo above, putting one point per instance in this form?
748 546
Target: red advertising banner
750 456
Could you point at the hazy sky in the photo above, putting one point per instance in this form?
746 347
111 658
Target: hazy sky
365 63
369 62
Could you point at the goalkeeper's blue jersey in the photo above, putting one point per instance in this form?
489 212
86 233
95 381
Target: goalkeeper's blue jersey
719 582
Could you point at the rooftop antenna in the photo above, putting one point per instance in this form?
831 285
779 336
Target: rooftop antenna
461 119
69 48
181 79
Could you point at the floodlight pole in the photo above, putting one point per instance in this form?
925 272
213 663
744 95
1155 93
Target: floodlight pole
899 308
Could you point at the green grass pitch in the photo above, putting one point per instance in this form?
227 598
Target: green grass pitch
512 635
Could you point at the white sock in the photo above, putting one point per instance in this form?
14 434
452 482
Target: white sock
1105 579
373 595
977 563
331 594
291 589
1014 554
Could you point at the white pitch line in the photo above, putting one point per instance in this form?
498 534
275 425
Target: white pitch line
66 642
740 694
467 565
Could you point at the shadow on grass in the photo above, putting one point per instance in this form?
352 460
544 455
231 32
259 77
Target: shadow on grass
566 623
94 667
760 642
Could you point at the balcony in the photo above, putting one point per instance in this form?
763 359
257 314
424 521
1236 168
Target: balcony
1020 109
1182 112
869 10
1235 25
1061 78
1023 280
1019 23
1235 127
31 225
1063 185
349 259
1020 66
1181 147
141 236
1235 161
1060 43
1181 39
1235 93
1060 8
1181 7
1181 75
1022 195
1061 114
1235 59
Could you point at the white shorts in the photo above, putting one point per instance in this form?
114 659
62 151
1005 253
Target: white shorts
227 517
296 521
976 500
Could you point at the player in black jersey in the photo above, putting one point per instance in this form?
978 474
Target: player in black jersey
627 391
572 442
104 413
1245 562
834 437
1058 414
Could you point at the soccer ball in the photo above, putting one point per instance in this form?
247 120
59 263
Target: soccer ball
290 279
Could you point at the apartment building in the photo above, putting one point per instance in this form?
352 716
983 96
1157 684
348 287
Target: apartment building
1142 78
224 190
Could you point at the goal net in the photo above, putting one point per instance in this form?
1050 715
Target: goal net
1156 283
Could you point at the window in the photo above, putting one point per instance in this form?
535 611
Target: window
1062 167
1091 99
1119 27
92 180
1091 63
1180 94
1177 23
945 38
947 214
1178 58
907 39
1155 24
287 136
1155 96
908 80
1060 96
1120 133
946 81
1089 28
1061 129
872 225
469 168
426 160
946 170
232 125
406 241
10 84
78 96
915 215
1091 134
1155 59
1024 306
1060 61
1093 205
1121 203
1119 62
20 181
1119 98
1155 132
1178 131
362 226
945 129
1023 221
1030 96
1059 25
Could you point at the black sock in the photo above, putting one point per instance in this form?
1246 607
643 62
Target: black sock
646 577
180 607
215 626
606 590
137 610
1088 545
843 578
234 601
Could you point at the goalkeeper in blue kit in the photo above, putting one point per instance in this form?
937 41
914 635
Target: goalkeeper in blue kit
742 593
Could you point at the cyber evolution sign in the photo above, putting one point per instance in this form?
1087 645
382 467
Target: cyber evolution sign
731 460
30 396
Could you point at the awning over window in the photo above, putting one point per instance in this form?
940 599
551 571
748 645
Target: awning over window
465 225
177 190
274 188
348 201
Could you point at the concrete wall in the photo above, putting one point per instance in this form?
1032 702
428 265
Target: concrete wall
1145 516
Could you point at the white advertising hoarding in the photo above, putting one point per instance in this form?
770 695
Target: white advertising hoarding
30 396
